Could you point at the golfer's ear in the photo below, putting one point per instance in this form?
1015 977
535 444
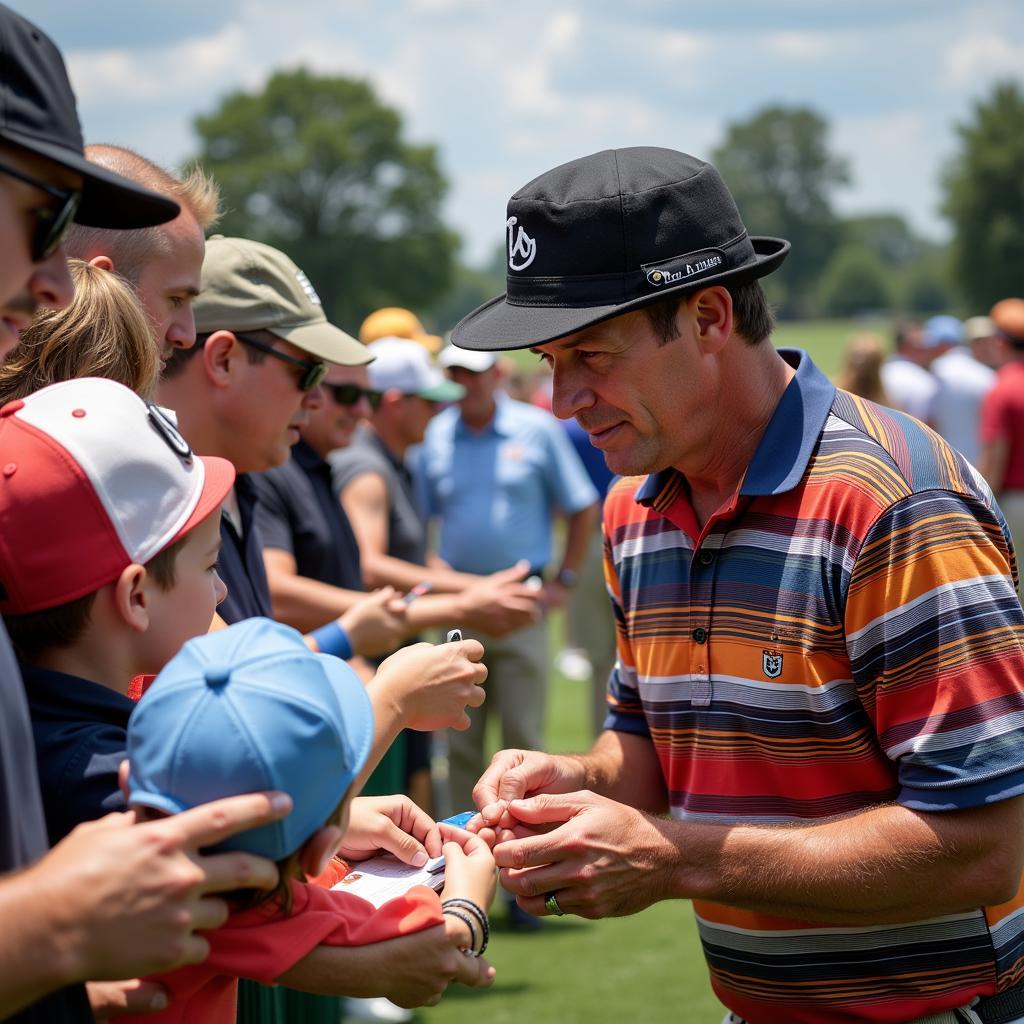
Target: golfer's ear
711 309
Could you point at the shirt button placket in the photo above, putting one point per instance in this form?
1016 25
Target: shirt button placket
701 575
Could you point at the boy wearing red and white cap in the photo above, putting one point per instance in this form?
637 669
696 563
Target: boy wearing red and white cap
108 564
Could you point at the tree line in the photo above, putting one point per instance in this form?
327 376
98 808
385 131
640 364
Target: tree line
318 166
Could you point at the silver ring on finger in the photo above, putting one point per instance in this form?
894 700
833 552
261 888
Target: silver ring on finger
551 905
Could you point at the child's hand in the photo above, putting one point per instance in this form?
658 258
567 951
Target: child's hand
392 823
469 869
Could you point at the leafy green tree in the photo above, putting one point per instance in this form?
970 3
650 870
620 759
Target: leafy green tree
855 281
783 176
317 166
471 287
984 199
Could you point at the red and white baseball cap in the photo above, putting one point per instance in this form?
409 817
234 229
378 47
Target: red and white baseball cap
92 480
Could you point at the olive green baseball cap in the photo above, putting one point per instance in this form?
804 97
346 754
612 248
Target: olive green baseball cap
249 286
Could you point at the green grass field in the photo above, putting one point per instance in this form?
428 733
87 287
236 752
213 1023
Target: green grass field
647 967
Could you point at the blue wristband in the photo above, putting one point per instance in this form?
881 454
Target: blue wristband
332 639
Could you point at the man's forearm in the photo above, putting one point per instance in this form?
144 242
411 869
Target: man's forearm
306 604
884 865
32 962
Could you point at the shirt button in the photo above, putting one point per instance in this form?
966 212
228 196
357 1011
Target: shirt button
706 557
700 635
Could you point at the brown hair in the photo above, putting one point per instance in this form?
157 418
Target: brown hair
196 191
752 315
102 333
861 372
35 633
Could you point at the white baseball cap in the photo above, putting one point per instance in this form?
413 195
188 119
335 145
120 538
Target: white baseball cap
468 359
405 365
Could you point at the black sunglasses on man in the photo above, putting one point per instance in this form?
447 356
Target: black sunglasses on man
315 371
51 222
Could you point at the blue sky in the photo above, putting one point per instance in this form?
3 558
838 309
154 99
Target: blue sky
508 90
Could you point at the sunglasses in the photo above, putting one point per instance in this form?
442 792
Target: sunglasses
315 371
51 222
349 394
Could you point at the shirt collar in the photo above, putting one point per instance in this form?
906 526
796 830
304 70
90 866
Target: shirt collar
785 448
501 422
306 457
71 697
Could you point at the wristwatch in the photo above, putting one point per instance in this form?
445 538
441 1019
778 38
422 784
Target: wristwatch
567 578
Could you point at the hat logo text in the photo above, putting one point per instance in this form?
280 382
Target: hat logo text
663 277
520 246
771 664
307 286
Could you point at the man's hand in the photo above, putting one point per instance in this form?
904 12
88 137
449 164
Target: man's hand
411 971
428 686
514 775
125 900
376 624
600 858
392 823
501 602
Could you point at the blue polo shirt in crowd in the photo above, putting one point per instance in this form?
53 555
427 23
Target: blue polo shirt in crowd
80 730
495 491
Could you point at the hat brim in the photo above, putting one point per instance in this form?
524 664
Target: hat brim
219 478
108 199
327 342
498 326
446 391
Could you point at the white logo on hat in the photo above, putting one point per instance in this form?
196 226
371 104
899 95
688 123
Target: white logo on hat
524 246
307 287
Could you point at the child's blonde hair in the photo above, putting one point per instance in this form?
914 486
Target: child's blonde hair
102 333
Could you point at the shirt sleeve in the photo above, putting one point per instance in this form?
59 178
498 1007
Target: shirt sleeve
568 479
933 633
994 424
625 709
273 516
260 945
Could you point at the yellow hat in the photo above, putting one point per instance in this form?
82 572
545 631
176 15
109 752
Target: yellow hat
395 322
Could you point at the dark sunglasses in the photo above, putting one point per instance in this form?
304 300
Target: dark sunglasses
52 222
314 371
349 394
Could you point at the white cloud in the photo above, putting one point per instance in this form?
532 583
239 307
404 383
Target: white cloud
805 46
982 56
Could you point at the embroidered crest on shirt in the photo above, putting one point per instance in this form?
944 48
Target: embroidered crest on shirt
771 664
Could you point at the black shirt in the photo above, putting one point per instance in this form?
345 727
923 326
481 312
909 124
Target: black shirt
81 735
298 512
241 561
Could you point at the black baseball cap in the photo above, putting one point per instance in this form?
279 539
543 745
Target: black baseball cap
38 113
609 233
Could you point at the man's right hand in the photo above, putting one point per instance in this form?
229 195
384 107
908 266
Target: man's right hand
516 775
125 899
429 686
375 624
501 602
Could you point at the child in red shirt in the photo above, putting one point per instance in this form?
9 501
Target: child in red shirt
248 708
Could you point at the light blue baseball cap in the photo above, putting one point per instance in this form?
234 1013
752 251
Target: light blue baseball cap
943 330
250 708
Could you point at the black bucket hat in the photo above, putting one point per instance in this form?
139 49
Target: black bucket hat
610 233
38 113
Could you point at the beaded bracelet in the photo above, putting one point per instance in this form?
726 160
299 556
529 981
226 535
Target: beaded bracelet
468 922
477 911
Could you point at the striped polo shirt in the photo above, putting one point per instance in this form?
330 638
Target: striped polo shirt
843 633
